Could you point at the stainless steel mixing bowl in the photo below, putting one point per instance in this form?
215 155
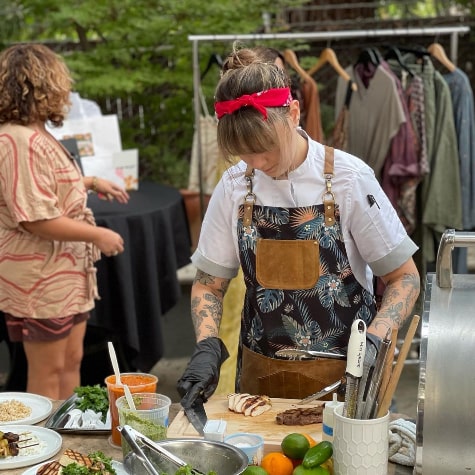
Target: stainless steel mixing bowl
203 455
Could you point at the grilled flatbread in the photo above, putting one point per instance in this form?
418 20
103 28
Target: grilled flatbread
50 468
72 456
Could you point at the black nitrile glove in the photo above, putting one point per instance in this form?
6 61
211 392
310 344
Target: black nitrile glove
201 375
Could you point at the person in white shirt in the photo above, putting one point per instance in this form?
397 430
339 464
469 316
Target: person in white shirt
310 226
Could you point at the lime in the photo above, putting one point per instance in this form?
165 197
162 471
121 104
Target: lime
295 445
301 470
254 470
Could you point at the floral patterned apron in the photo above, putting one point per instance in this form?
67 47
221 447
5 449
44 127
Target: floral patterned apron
302 295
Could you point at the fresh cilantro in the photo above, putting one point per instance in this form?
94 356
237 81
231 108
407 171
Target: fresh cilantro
93 397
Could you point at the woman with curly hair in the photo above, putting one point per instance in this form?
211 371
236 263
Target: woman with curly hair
48 237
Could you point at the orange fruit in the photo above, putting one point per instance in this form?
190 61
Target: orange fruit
310 439
295 445
276 463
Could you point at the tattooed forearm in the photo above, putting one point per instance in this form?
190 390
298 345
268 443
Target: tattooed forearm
206 312
397 303
207 304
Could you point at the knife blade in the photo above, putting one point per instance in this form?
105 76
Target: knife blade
197 415
354 366
298 353
329 389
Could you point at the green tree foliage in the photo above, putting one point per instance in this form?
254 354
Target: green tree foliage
138 52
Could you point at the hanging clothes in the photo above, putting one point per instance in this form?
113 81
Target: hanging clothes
376 114
439 194
408 203
464 119
310 116
340 131
401 173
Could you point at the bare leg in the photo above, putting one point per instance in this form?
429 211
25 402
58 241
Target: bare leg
71 377
54 366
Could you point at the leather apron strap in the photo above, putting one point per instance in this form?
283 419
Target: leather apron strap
288 379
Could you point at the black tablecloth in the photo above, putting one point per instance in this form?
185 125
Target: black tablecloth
136 287
139 285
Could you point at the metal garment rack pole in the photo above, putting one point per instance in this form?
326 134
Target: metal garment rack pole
453 31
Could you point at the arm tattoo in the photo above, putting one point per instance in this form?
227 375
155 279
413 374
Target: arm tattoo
398 302
207 304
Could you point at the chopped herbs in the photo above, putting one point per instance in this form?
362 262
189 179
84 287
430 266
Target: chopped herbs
93 397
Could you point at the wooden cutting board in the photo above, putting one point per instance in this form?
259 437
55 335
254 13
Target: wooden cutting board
264 424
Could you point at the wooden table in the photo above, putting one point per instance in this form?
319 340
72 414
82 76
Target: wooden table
89 443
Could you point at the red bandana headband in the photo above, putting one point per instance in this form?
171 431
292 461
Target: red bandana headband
280 97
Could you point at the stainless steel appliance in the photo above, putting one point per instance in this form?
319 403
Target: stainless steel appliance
446 396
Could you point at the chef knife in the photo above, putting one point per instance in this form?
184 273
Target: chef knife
197 415
329 389
298 353
354 366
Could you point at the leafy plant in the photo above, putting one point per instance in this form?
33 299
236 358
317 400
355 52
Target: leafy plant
137 52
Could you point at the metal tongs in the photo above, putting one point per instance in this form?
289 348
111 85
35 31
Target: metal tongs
300 354
130 434
327 390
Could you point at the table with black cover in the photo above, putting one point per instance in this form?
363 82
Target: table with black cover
136 287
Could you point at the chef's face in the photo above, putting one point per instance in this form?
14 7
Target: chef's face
268 162
279 159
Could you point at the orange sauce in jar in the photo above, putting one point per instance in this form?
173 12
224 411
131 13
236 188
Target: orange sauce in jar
137 383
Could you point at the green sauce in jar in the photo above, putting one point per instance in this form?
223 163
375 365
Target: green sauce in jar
151 429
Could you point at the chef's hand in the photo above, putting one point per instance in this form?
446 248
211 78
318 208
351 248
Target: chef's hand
201 376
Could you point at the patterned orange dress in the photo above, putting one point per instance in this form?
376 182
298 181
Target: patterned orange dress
40 278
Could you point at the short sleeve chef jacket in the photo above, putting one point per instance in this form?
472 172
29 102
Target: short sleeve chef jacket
375 238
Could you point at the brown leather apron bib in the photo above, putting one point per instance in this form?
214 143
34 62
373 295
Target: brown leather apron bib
291 379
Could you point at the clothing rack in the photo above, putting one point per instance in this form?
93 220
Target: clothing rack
453 31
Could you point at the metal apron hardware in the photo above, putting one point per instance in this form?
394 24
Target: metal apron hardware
291 379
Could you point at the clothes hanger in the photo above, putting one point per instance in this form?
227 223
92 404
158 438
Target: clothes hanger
418 51
367 56
377 55
394 53
437 51
291 59
329 56
213 59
